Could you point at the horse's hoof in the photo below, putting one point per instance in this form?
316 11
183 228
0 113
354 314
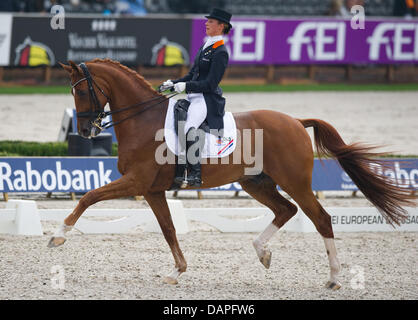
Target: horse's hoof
56 242
266 259
170 280
333 285
263 253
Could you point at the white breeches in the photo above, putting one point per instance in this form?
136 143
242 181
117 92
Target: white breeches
197 111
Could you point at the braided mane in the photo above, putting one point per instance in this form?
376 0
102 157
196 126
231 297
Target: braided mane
133 73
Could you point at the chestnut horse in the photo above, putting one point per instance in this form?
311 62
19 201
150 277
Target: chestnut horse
287 160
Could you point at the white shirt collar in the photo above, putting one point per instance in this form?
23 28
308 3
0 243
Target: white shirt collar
212 40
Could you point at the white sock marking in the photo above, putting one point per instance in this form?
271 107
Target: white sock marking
260 244
332 257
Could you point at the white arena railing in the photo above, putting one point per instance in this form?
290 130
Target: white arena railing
22 217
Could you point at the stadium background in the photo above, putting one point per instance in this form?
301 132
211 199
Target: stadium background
169 20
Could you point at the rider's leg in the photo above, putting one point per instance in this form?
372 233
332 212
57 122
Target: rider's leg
196 113
194 145
195 138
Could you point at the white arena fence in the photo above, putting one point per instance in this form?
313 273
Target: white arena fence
22 217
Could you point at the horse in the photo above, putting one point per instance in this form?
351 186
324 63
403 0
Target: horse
139 111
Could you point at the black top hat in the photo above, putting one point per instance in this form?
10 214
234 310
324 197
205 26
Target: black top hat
220 15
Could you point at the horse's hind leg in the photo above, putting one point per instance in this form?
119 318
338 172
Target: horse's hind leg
159 206
322 221
263 189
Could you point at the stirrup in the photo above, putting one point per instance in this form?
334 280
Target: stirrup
181 181
194 181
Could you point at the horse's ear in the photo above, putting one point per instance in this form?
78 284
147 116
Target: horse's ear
66 68
74 66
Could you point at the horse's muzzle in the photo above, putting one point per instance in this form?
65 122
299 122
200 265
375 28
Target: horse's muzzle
89 132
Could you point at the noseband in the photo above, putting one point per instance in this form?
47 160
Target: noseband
97 113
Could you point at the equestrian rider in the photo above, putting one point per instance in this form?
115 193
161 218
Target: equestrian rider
202 87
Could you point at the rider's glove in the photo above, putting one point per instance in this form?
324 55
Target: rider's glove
167 85
179 87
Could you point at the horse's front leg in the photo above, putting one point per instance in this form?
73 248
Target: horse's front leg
159 206
123 187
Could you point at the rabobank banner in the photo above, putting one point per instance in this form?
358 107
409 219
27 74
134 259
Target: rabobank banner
316 41
328 175
81 174
52 174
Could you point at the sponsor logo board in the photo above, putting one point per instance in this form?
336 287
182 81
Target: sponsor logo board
316 41
81 174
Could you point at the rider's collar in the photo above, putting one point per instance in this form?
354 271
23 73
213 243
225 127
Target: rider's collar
212 40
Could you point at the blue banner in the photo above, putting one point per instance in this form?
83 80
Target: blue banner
56 174
81 174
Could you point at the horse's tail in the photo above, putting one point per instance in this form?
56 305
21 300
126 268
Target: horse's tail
356 160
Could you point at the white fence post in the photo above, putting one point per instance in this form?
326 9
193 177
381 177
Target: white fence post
23 218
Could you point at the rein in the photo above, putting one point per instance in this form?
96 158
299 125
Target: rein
98 112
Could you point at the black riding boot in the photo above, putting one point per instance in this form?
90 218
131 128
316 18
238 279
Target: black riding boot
194 176
181 166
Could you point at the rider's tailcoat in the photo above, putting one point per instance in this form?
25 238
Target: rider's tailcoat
204 77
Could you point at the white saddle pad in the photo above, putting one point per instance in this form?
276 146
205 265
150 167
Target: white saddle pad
214 147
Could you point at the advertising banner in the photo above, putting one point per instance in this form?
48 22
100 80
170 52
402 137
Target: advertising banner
5 38
131 41
56 174
329 176
316 41
81 174
175 41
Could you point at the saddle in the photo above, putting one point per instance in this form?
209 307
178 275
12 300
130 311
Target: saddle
216 145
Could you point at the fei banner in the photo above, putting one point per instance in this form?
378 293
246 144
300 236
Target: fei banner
316 41
81 174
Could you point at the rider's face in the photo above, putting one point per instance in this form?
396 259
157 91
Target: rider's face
214 27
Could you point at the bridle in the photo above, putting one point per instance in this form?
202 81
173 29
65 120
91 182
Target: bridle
97 113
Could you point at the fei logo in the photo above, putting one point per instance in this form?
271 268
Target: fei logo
324 41
399 41
246 41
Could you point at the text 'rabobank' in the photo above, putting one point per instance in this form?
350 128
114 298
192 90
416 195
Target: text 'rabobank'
56 175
